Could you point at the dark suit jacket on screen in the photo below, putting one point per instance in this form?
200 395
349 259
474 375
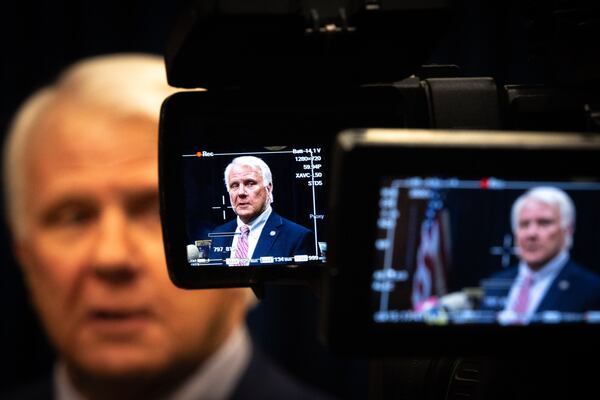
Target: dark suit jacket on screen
575 289
280 237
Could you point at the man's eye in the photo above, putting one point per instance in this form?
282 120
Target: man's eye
144 206
69 216
523 224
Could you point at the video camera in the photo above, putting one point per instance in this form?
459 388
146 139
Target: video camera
369 150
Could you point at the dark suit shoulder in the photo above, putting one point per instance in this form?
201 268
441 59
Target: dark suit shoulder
38 390
508 273
578 271
264 380
284 223
229 226
585 284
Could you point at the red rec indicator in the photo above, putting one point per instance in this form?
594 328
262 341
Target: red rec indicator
198 154
484 183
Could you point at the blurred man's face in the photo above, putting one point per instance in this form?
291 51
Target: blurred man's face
93 253
539 234
247 191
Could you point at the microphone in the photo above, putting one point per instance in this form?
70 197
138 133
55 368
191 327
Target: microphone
192 252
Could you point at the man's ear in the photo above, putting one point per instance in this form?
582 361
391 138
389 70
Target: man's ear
270 191
21 252
569 232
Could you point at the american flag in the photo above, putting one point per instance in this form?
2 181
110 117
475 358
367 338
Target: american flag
433 255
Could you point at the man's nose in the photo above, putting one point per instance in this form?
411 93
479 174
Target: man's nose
242 190
112 257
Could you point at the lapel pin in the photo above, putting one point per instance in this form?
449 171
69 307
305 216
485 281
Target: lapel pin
563 285
272 233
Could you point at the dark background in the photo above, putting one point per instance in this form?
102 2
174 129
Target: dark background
486 39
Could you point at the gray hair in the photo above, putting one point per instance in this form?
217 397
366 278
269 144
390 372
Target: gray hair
253 162
553 197
125 85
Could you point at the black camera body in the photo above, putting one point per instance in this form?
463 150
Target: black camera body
283 79
410 263
202 132
283 85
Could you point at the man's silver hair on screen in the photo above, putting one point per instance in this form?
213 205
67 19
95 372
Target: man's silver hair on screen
554 197
124 85
254 162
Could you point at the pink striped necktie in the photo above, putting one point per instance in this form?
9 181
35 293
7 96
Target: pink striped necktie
241 251
522 301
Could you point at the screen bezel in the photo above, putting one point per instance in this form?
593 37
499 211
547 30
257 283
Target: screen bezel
268 119
406 153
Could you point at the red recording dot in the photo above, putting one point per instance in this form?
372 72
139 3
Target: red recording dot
198 154
484 183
